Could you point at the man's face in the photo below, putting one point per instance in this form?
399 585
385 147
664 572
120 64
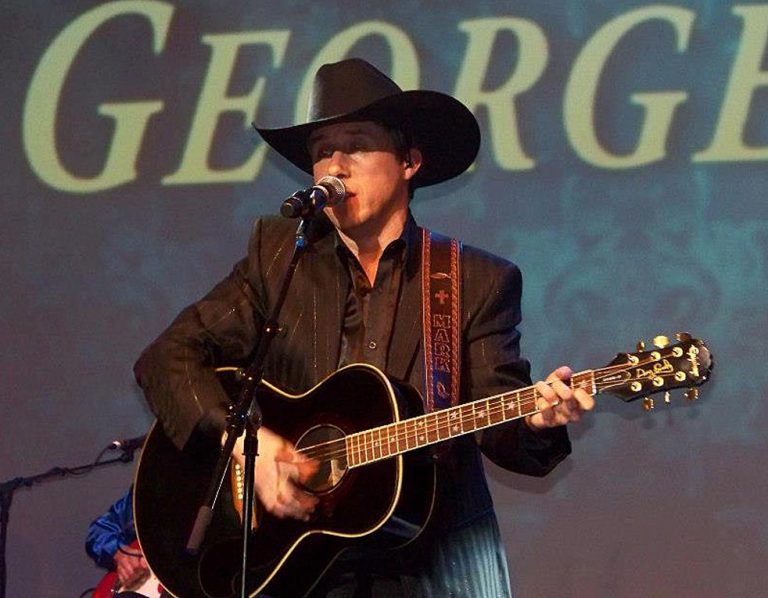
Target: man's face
363 155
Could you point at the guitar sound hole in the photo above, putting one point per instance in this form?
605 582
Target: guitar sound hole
325 444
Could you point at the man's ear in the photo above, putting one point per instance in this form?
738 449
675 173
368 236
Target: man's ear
413 160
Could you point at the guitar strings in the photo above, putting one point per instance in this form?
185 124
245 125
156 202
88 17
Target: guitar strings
368 449
405 429
430 425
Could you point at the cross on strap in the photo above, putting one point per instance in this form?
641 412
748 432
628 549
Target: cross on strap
440 284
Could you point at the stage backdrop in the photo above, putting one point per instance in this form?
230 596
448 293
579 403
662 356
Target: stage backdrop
623 168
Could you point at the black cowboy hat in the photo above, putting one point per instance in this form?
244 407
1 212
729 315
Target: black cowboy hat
443 128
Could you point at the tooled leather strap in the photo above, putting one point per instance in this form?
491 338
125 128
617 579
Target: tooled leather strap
441 304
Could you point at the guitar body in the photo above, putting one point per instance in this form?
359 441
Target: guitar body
386 503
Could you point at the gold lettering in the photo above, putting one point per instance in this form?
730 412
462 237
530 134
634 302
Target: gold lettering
500 102
40 108
441 321
746 76
662 367
441 336
583 82
214 101
694 361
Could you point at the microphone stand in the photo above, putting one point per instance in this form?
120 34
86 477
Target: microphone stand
245 416
8 487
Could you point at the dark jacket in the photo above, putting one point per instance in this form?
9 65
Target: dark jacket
176 371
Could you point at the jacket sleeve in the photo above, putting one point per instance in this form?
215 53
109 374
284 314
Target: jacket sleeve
110 531
493 365
177 371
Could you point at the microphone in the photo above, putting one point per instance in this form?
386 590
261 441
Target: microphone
128 445
328 191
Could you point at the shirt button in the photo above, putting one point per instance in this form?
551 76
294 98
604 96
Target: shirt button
372 345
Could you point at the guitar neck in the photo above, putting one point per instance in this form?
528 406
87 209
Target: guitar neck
400 437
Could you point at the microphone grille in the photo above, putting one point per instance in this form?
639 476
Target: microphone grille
335 187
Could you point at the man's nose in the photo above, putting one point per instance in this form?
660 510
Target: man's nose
338 164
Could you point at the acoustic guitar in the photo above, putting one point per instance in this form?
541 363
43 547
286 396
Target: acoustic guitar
374 486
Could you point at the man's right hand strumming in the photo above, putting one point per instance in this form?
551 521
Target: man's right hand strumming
280 472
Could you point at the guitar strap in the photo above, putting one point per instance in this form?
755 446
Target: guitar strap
441 306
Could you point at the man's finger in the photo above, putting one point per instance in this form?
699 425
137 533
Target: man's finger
562 373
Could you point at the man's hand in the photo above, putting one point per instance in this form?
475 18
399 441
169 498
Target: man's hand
558 403
131 566
280 471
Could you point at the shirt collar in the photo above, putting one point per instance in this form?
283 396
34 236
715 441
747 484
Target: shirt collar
407 243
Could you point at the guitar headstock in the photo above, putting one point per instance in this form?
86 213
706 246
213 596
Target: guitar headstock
684 364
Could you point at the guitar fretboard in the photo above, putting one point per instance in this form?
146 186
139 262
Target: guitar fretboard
393 439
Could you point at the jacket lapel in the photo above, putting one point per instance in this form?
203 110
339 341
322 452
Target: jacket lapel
329 291
406 336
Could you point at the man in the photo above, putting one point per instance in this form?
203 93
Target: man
356 297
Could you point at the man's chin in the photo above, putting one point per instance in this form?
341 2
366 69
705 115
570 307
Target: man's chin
345 219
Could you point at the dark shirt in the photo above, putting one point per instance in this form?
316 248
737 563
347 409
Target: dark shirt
370 311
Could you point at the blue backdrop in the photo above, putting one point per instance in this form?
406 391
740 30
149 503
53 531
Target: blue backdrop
623 169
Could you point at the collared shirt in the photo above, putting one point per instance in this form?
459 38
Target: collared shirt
370 310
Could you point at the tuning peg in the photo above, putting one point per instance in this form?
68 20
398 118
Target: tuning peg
683 336
692 394
660 341
648 404
641 345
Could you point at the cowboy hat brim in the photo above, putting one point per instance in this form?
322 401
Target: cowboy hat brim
441 127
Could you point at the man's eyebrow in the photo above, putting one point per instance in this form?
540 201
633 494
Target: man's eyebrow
315 137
